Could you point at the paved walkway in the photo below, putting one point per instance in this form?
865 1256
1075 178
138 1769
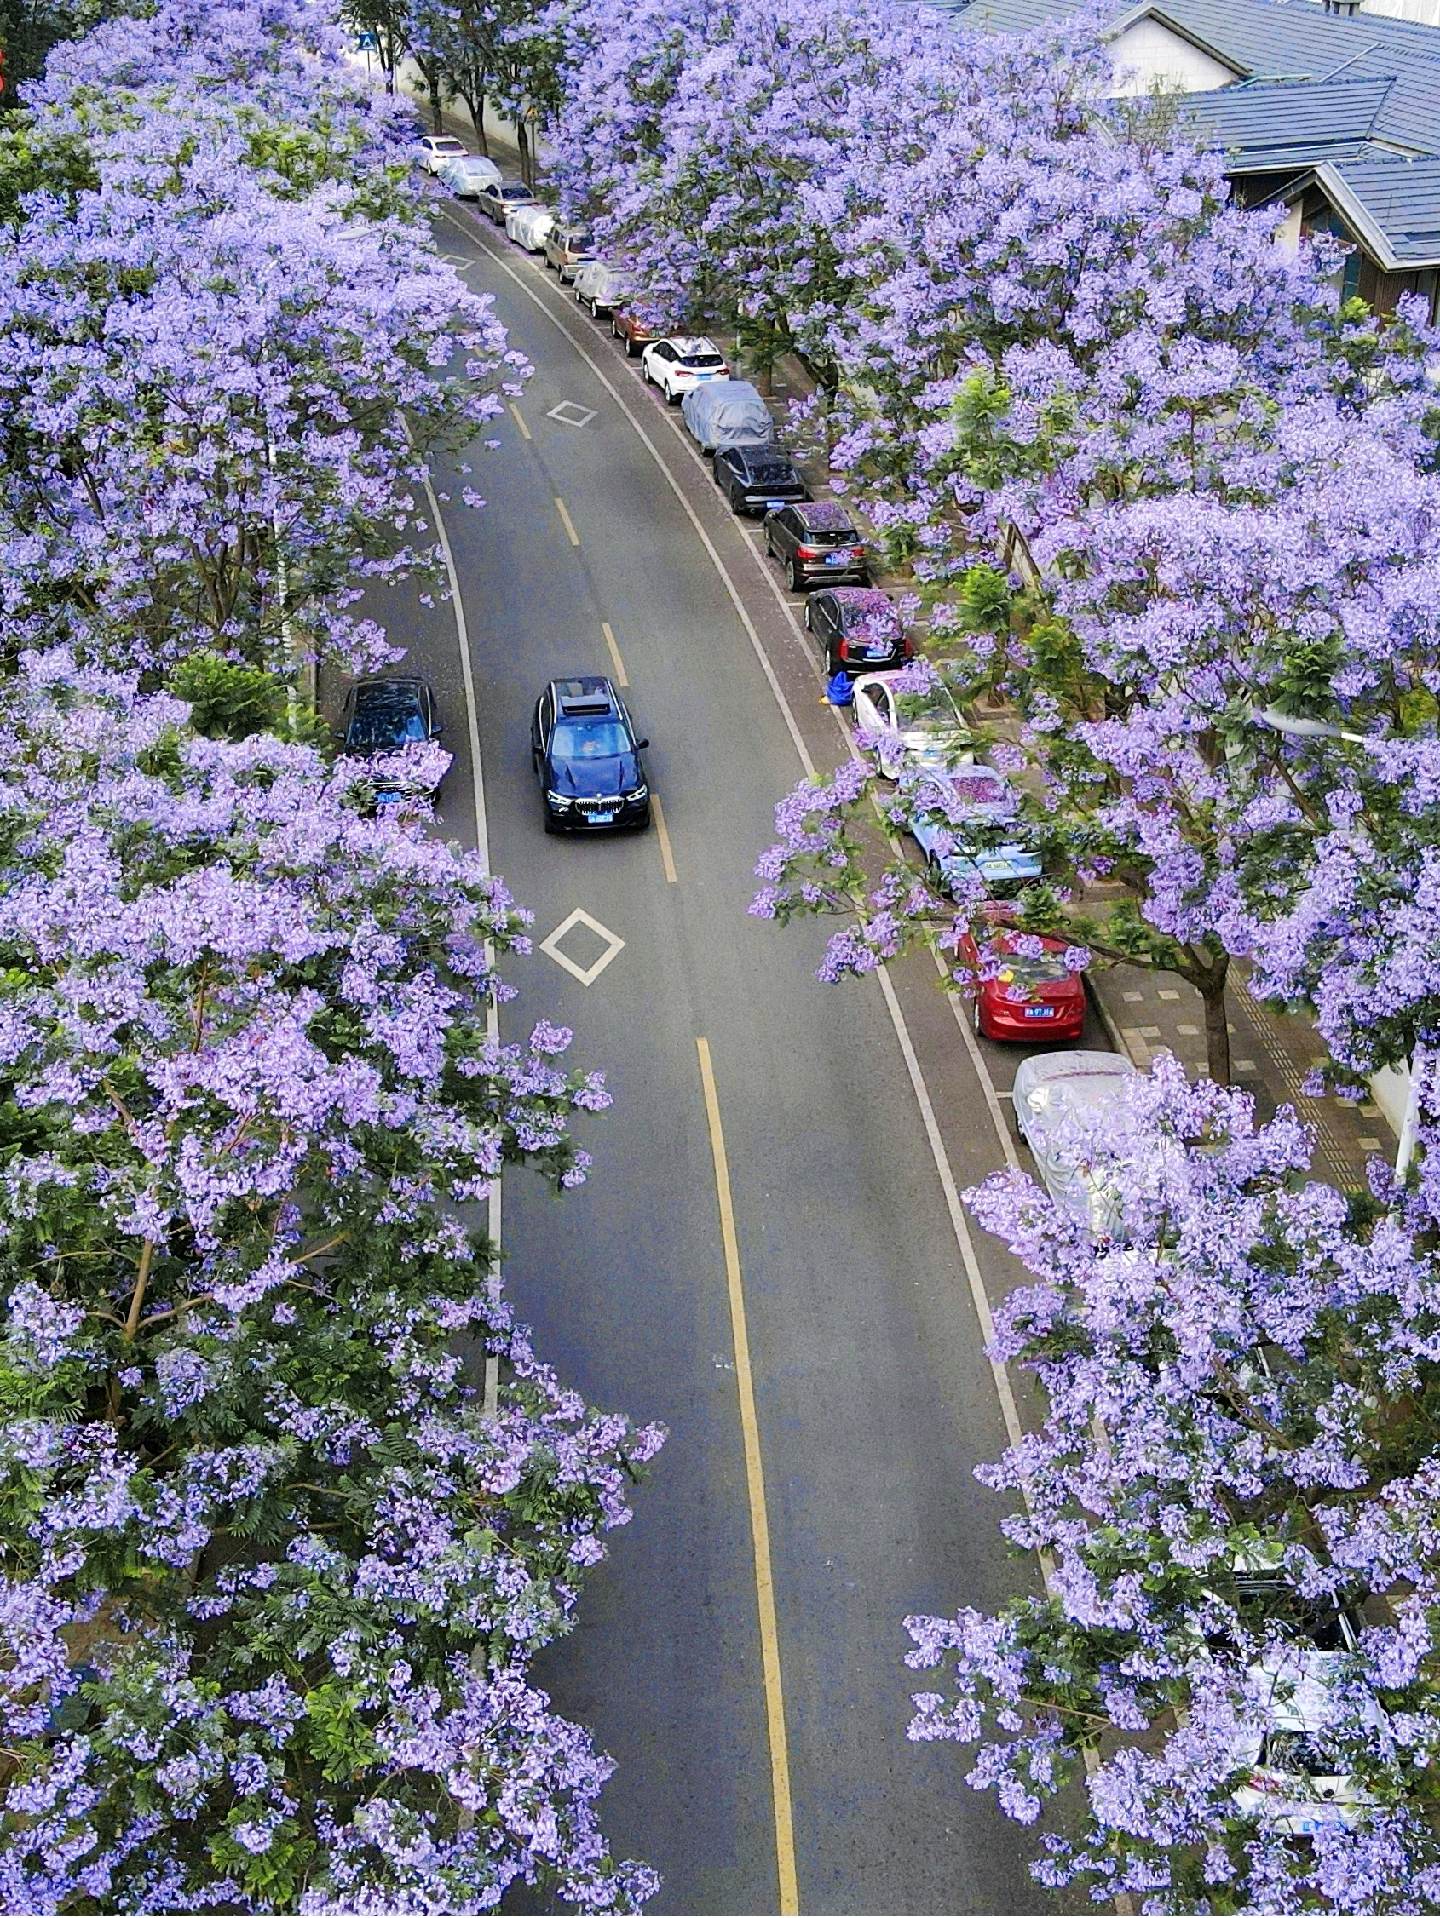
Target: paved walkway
1271 1055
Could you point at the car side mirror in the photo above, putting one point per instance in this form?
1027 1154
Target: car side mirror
641 744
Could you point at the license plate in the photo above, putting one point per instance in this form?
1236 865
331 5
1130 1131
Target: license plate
1039 1012
837 559
771 505
875 652
600 818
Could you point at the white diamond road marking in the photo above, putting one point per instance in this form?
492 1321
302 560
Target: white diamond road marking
571 413
579 917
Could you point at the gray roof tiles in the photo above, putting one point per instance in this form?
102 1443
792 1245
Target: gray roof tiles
1261 113
1285 39
1401 199
1322 91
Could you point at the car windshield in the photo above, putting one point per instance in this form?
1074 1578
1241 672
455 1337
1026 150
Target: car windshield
513 192
773 472
387 726
1048 970
702 359
446 146
580 242
589 739
1298 1753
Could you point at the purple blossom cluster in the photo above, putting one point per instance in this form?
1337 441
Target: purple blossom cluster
267 1545
230 344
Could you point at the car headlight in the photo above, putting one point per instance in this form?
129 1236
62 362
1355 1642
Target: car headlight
642 791
557 799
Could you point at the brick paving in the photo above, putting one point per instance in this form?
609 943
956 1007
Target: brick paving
1270 1052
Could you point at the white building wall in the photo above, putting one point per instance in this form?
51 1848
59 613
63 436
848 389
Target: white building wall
1148 54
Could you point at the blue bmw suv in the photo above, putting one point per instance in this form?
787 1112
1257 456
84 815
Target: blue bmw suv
587 758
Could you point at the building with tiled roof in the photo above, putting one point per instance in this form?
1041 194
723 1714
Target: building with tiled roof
1331 110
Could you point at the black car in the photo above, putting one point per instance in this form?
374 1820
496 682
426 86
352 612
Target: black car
757 479
384 715
859 628
816 539
587 757
502 197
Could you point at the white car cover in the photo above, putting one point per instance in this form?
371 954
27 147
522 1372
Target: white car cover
727 413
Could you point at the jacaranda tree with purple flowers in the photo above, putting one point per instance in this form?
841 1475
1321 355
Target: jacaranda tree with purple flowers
223 369
1233 1484
290 1503
272 1576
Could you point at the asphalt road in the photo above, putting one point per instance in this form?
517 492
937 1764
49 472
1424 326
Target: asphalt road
872 1397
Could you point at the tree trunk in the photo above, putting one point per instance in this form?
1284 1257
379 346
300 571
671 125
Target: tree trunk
477 114
432 83
1217 1030
522 140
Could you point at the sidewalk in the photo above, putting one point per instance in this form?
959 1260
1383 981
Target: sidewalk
1271 1054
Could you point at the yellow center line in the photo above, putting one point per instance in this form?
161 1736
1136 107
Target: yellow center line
662 833
755 1485
566 521
520 421
616 661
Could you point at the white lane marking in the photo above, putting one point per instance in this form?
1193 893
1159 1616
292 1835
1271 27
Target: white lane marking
494 259
1008 1408
482 846
525 433
572 413
587 975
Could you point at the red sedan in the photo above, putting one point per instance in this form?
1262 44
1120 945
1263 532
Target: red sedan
1027 998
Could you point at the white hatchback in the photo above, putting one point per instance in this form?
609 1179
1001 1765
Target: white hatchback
678 366
910 732
432 150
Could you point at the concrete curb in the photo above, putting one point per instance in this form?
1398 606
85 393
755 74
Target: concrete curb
1107 1020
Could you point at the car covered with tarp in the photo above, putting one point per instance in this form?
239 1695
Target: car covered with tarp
727 413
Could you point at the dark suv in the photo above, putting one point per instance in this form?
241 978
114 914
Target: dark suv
587 758
817 540
383 717
757 479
